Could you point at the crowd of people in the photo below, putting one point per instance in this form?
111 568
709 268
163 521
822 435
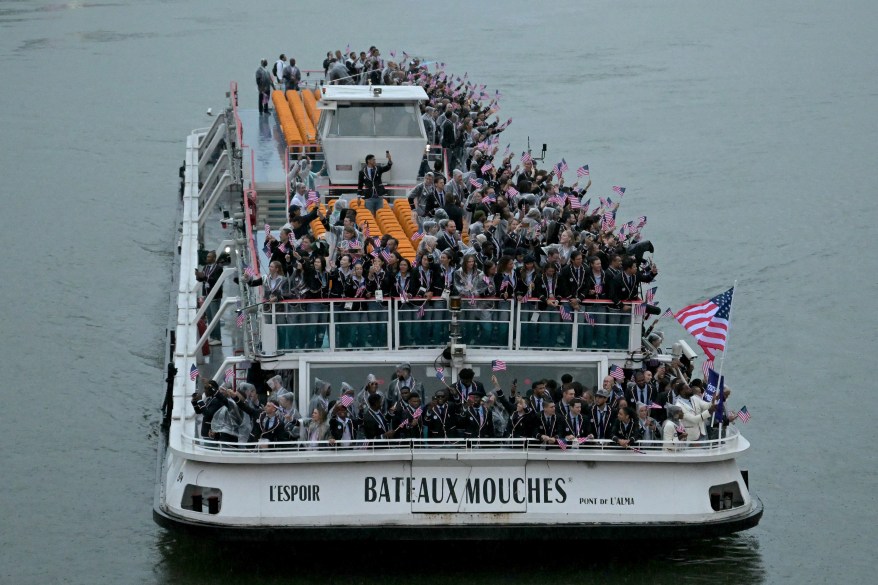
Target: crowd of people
533 237
656 403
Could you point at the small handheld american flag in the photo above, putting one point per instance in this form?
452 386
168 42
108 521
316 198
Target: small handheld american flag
346 400
582 171
562 444
744 414
565 314
239 321
230 374
193 372
617 372
498 366
440 373
526 157
417 236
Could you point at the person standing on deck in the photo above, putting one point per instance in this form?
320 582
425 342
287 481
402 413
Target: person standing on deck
369 184
292 76
278 69
263 84
209 275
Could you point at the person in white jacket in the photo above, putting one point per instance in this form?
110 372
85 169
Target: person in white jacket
673 436
695 413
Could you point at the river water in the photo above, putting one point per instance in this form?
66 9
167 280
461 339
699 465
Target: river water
743 130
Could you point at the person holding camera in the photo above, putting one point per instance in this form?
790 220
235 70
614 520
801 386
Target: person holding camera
369 182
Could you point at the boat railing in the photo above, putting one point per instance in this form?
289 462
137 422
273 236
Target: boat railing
728 439
490 323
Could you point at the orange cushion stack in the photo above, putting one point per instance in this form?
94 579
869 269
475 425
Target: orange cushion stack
285 117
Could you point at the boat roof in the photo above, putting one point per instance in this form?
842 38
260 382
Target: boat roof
367 93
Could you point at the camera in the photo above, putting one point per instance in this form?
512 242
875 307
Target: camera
639 249
652 309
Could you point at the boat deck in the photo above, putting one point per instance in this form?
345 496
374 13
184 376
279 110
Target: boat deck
263 135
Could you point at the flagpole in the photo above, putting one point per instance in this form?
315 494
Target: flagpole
722 359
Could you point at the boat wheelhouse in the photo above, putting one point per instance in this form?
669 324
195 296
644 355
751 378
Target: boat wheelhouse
234 183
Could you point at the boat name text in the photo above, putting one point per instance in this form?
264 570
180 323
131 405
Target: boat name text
446 490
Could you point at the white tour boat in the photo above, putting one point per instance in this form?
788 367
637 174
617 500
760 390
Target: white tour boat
234 182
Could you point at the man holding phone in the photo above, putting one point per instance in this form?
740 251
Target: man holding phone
369 184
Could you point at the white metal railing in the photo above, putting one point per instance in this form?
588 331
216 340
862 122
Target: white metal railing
729 439
491 323
333 324
595 326
483 323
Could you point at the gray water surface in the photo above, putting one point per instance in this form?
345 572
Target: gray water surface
745 131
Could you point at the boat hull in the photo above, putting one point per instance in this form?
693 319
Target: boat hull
498 495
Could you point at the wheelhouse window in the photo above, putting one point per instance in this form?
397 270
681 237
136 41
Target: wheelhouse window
397 120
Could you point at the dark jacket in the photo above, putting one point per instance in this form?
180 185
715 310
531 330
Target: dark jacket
474 426
369 182
602 429
440 421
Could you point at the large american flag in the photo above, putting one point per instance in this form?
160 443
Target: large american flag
498 366
744 414
617 372
582 171
708 322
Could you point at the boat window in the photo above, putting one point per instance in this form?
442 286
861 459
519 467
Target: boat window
396 120
376 120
